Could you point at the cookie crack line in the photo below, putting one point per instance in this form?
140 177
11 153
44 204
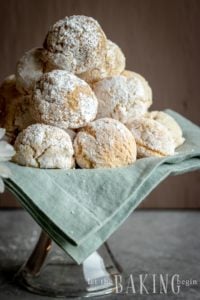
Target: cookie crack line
150 149
43 152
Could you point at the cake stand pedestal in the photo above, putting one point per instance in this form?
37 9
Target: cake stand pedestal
50 271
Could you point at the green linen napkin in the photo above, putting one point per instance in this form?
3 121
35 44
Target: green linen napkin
80 209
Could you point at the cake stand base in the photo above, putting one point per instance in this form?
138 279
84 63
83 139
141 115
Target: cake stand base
50 271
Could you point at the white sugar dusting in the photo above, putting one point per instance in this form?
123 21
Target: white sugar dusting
122 98
113 64
44 146
153 136
105 143
80 38
63 100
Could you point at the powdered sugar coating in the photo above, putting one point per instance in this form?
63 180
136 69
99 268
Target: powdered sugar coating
152 138
114 64
131 74
104 143
170 124
63 100
29 69
122 98
76 44
44 146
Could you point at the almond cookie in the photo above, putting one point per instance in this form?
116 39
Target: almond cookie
170 124
29 69
122 98
43 146
76 44
152 138
104 143
131 74
114 64
63 100
14 114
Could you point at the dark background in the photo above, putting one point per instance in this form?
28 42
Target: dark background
161 40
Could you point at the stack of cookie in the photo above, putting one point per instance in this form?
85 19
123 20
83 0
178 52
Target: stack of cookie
72 102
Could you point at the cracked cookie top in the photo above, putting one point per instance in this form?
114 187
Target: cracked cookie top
104 143
75 44
152 138
44 146
122 97
169 123
63 100
113 64
140 78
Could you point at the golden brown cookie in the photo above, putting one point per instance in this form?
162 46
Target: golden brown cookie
63 100
113 64
145 84
170 124
104 143
44 146
122 98
152 138
76 44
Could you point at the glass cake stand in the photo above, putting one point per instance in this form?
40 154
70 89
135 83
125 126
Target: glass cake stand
50 271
